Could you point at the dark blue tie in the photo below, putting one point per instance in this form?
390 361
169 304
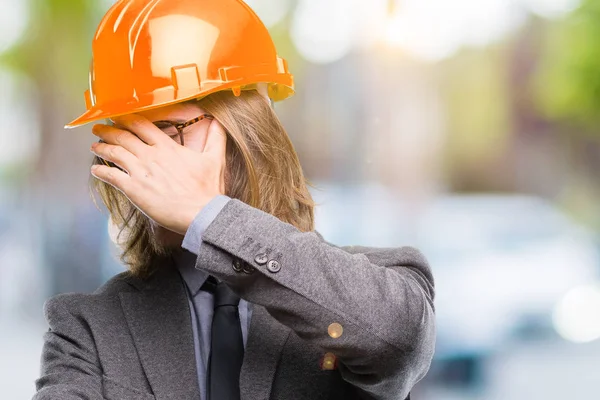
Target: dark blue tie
227 346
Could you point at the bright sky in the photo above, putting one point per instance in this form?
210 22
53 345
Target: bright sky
434 29
326 30
13 22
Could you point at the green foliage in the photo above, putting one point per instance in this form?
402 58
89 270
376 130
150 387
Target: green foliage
56 45
476 95
567 86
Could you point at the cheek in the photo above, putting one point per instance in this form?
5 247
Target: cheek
196 142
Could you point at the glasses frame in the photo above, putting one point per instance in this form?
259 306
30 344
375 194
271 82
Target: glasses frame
180 127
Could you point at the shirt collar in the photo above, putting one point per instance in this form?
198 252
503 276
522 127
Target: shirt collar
194 278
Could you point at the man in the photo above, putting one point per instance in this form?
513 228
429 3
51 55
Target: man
230 292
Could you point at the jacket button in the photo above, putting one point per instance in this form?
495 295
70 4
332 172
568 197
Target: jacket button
335 330
261 259
248 269
237 265
274 266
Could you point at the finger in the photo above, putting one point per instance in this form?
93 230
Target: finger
142 128
113 135
118 155
216 140
113 176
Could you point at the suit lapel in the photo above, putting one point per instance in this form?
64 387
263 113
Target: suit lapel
159 319
266 338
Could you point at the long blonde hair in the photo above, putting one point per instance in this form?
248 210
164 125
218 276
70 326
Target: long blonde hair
262 170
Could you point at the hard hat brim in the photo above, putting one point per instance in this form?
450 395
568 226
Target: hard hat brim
277 91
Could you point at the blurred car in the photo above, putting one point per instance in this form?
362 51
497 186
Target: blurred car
500 262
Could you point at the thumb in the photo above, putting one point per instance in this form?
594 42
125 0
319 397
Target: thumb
216 140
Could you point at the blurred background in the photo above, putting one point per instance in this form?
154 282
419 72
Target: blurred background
467 128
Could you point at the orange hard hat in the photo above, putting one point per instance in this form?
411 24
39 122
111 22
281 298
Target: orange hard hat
152 53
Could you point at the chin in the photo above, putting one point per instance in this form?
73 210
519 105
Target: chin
166 238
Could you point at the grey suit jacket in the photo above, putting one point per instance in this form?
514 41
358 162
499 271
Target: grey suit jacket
132 338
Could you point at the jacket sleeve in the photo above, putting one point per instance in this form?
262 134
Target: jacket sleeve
381 297
69 365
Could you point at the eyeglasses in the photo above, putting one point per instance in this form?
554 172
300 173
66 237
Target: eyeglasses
175 130
172 129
